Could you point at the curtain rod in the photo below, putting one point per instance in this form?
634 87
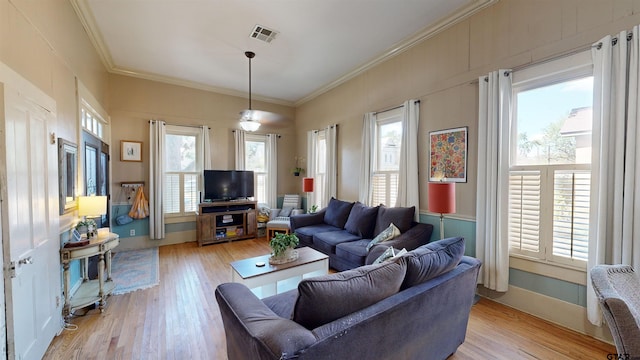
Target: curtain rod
195 126
330 126
393 108
278 135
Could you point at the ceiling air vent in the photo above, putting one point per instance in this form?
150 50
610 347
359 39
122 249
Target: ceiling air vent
262 33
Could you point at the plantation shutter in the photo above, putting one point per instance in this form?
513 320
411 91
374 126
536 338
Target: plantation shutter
524 211
191 192
571 213
172 194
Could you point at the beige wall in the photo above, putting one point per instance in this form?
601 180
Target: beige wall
134 101
442 72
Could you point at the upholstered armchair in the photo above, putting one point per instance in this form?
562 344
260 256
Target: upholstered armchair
618 291
279 218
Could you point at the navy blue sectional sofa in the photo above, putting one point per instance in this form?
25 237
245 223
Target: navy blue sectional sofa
343 230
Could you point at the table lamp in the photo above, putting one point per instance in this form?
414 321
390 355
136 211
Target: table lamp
442 199
91 207
307 186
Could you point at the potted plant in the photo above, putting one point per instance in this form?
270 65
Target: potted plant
298 169
282 247
86 226
313 209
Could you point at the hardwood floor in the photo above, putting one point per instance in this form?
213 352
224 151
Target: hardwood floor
179 319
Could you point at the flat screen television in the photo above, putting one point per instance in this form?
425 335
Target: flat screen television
228 185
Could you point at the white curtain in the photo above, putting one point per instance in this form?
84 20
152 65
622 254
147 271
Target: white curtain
239 137
156 178
368 153
492 245
206 148
272 169
408 182
312 153
331 184
615 201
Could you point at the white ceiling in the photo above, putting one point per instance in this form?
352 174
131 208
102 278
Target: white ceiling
201 43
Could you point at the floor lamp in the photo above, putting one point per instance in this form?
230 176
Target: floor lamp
307 186
442 199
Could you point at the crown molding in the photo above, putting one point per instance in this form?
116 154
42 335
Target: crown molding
461 14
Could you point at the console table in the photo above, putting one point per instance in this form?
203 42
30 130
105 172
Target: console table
90 291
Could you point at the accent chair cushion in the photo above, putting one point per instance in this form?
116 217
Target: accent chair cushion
361 220
337 212
400 216
432 259
286 211
327 298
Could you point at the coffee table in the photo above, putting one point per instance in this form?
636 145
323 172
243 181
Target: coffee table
270 279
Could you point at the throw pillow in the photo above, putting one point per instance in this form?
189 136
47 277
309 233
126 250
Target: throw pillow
432 259
361 220
389 233
327 298
286 211
390 255
337 212
400 216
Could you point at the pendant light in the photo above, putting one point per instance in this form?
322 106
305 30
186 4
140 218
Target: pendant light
248 120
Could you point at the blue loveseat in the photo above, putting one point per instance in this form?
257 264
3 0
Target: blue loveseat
343 230
415 306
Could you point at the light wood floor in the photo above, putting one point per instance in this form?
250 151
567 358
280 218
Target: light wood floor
179 319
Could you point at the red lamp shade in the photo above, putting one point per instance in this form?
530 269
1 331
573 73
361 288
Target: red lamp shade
442 197
307 184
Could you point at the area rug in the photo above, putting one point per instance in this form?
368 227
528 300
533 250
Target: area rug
134 270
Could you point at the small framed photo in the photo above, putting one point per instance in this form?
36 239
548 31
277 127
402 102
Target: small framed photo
448 155
130 150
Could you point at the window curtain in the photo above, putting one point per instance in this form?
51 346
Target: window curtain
492 245
408 183
312 153
206 148
272 169
615 201
331 184
368 153
157 133
239 137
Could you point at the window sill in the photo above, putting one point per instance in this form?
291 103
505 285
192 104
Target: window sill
541 267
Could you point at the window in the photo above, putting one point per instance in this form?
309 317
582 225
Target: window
386 164
320 171
255 150
90 120
183 170
550 162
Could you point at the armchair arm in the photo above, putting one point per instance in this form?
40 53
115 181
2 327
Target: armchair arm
274 213
253 330
303 220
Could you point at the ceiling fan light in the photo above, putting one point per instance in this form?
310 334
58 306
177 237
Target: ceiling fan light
249 125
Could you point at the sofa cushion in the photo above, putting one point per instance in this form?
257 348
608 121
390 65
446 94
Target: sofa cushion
400 216
389 233
315 229
337 212
353 251
431 260
326 298
361 220
327 241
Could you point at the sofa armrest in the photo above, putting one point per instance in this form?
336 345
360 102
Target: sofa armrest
254 331
298 221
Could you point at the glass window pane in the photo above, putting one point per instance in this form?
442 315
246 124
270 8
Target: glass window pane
180 153
255 156
389 141
553 123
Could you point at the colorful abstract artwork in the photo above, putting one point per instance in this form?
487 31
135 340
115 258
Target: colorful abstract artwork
448 155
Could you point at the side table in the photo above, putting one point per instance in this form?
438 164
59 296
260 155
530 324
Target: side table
90 291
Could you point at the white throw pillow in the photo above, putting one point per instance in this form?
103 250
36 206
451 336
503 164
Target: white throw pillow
387 234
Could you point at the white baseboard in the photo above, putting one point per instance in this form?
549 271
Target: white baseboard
559 312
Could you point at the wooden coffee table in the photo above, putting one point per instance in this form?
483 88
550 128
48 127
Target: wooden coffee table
270 279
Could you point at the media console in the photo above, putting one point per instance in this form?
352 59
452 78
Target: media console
225 221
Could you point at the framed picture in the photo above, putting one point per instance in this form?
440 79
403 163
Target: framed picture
130 150
448 155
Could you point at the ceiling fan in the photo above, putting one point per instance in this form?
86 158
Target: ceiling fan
251 119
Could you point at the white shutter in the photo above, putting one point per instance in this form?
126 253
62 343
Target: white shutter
385 188
571 214
190 192
524 212
172 194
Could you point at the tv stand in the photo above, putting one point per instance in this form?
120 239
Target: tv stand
225 221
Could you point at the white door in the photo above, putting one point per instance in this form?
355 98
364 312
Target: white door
30 234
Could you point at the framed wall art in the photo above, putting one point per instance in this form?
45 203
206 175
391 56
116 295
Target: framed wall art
448 155
130 150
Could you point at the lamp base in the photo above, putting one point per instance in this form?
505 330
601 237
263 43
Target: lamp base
441 226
